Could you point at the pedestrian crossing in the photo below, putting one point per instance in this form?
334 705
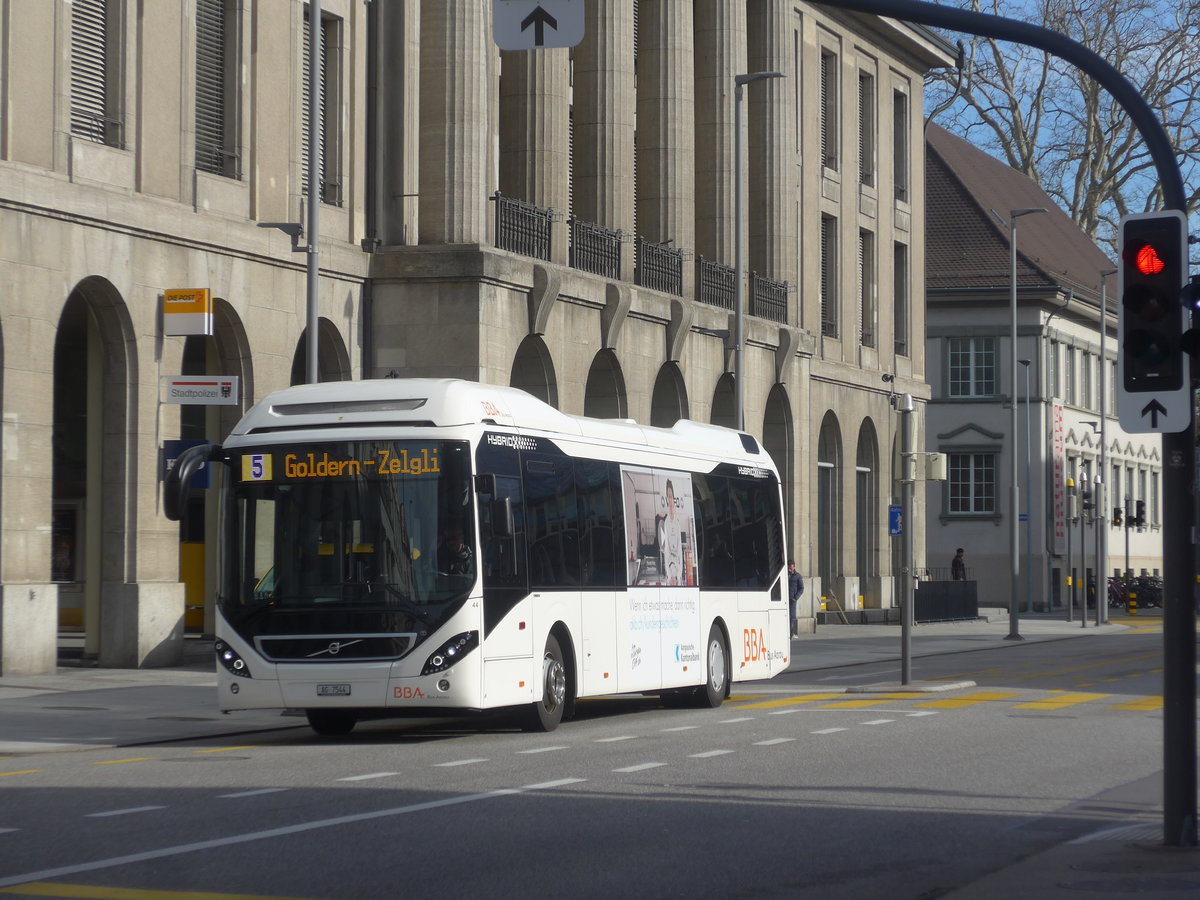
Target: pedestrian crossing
1040 701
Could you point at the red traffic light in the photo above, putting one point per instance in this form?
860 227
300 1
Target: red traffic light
1147 261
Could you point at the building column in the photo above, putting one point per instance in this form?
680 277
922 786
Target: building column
666 130
603 122
720 54
455 127
398 47
534 120
772 142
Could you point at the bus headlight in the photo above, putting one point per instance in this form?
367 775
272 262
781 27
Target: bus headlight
451 652
233 663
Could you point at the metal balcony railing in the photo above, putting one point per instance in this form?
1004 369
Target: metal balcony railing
768 298
715 283
659 267
595 249
522 227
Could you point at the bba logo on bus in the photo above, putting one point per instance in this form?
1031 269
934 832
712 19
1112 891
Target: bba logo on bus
754 644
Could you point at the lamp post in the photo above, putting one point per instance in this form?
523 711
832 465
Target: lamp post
738 225
1028 494
1014 535
1102 529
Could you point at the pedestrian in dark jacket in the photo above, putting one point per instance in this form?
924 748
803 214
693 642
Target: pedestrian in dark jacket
795 589
958 567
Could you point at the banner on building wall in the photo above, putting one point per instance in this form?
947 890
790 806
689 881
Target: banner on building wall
187 311
1058 432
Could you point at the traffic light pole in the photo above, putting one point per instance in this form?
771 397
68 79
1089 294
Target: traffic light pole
1179 475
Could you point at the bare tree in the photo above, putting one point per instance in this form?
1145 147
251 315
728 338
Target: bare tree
1054 123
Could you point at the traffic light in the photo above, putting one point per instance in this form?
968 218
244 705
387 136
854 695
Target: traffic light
1141 514
1116 520
1086 497
1152 319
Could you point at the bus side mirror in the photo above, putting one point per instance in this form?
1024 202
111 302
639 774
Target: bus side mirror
503 524
179 480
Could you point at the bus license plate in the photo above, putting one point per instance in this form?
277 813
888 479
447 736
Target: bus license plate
333 690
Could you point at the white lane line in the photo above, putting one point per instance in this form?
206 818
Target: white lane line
251 793
623 737
198 846
6 830
122 812
772 742
681 728
458 762
923 712
640 767
782 712
877 722
741 719
545 749
368 777
709 753
828 731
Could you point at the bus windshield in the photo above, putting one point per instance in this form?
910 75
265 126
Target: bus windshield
348 537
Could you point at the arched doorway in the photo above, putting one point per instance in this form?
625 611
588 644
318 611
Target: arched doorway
604 394
533 370
724 402
92 393
866 504
333 362
668 403
829 502
777 441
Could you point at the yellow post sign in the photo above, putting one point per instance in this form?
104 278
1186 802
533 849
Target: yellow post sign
187 311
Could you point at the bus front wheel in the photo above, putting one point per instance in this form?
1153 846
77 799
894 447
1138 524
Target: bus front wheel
332 721
547 712
716 684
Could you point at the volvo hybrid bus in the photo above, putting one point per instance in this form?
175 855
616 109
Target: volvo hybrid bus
431 545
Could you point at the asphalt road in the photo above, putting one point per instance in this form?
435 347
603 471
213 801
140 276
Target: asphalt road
792 789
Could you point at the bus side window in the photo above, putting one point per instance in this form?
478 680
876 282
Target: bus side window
598 543
501 534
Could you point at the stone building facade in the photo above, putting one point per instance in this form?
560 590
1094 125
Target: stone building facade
560 220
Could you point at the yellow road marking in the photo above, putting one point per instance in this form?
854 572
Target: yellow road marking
20 772
790 701
856 704
968 700
1146 704
1061 701
97 892
117 762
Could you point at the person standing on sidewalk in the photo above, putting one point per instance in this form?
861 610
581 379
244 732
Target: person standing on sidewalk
795 589
958 567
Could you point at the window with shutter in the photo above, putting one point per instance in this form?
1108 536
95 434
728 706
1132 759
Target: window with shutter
866 128
829 110
217 87
330 110
829 256
95 71
866 287
900 144
900 298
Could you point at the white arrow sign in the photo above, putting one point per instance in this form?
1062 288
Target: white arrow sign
537 24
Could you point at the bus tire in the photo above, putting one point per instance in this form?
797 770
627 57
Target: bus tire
716 677
546 712
332 722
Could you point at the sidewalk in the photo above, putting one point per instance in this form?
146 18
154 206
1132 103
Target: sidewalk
88 708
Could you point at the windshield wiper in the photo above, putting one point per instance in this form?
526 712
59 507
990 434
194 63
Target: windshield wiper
404 603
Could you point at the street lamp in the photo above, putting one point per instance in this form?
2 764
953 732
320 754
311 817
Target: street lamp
1014 534
1028 495
1102 530
738 226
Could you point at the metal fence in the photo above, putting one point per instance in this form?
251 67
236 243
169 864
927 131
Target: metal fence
522 227
768 298
595 249
659 267
715 283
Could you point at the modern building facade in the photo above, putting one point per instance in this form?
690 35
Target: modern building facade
1065 391
559 220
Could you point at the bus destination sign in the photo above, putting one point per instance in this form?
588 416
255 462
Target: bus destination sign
385 461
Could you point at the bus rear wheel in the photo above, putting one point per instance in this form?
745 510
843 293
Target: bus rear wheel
332 721
716 684
546 713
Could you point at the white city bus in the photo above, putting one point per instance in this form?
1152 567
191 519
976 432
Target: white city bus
429 545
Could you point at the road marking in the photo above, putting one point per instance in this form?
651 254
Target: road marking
20 772
741 719
1061 701
878 722
457 762
118 762
545 749
791 701
772 742
251 793
122 812
853 704
227 749
7 830
914 715
300 828
782 712
98 892
681 728
829 731
968 700
1145 704
707 754
640 767
611 740
379 774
